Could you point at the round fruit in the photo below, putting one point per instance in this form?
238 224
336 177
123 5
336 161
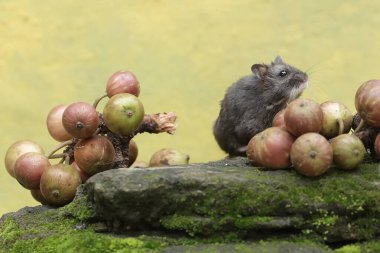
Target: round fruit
337 119
55 126
94 155
303 116
29 168
81 120
272 148
123 82
168 157
59 184
123 113
82 174
251 155
367 102
278 120
37 195
348 151
311 154
132 152
16 150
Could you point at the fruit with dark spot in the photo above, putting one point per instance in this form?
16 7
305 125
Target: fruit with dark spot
168 157
303 116
81 120
272 148
59 184
123 113
348 150
37 195
311 154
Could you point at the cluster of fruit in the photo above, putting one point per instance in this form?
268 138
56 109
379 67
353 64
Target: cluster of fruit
311 136
93 142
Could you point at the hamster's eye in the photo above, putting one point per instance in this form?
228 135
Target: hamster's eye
283 73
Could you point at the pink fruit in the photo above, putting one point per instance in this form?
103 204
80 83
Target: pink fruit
123 82
59 184
94 155
272 148
55 126
311 154
377 145
81 120
251 155
303 116
16 150
367 102
278 120
123 113
29 168
349 151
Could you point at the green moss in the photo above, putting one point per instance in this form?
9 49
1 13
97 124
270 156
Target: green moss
251 222
79 208
349 249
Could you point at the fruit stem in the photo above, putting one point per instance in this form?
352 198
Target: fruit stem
341 126
360 126
61 145
98 100
56 156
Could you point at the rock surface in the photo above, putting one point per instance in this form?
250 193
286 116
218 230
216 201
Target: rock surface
225 206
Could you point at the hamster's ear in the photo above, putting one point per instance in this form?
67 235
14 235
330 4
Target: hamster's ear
259 70
278 60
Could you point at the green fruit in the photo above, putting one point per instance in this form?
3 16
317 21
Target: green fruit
59 184
123 113
349 151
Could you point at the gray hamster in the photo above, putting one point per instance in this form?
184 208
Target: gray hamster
251 103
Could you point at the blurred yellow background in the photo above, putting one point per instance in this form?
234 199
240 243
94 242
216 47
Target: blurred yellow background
184 53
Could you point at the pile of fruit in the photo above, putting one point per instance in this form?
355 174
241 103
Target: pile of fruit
312 137
92 142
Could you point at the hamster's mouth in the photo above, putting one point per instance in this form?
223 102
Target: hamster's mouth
297 90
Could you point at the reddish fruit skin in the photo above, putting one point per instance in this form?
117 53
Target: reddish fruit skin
279 120
168 157
37 195
80 120
311 154
82 174
16 150
332 113
367 102
251 155
29 168
123 113
349 151
55 126
272 148
133 152
303 116
123 81
377 145
59 184
94 155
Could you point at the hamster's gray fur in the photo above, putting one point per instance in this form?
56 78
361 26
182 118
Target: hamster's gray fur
251 103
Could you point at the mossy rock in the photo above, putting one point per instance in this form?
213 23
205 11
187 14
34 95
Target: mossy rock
225 206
